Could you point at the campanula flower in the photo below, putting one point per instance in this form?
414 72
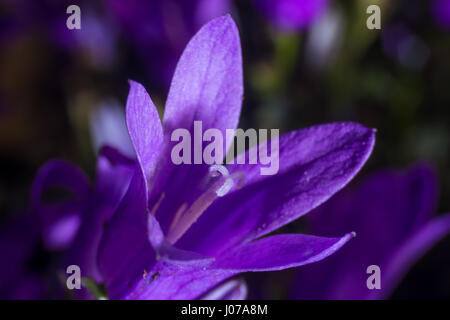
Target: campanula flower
291 15
173 234
148 228
73 224
392 214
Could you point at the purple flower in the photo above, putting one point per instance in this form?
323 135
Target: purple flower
96 38
172 236
71 226
441 12
74 223
159 30
391 213
291 15
150 229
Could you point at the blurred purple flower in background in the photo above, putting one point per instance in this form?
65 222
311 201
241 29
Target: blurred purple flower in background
75 224
70 224
59 220
67 225
440 10
291 15
404 46
159 30
392 215
96 38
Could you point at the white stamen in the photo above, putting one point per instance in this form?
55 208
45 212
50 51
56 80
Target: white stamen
214 170
184 219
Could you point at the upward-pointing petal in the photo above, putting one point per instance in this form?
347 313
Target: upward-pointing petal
144 127
207 84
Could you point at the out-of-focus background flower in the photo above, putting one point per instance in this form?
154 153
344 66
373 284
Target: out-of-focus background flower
62 94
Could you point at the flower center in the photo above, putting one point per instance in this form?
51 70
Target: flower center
186 217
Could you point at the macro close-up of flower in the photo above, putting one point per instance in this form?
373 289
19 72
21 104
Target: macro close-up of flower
224 150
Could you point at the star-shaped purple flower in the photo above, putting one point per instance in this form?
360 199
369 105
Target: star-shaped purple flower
151 229
172 235
392 214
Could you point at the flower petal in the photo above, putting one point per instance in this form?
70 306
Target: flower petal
399 201
280 252
168 280
130 244
207 84
60 219
113 176
164 250
390 211
314 163
124 250
144 127
177 281
412 250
